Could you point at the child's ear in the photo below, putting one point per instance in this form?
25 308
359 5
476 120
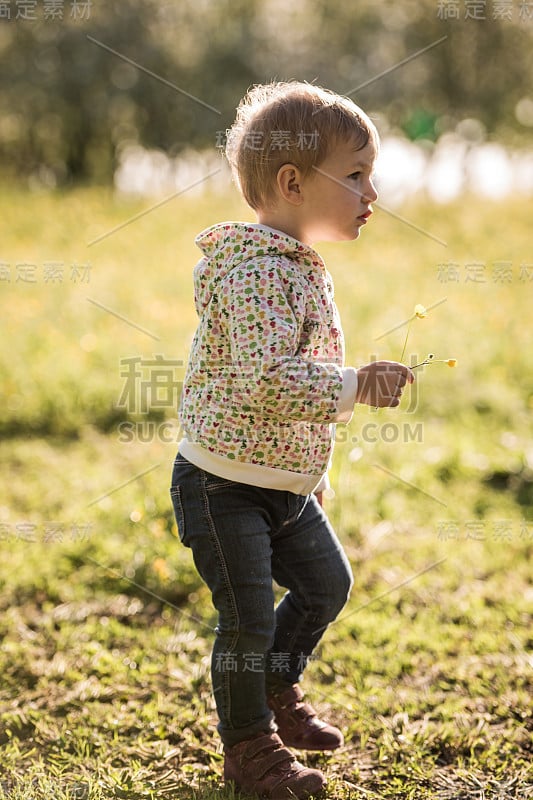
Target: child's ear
289 180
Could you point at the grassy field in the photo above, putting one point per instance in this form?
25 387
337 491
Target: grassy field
106 629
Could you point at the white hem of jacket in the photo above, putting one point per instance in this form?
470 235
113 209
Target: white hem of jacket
272 477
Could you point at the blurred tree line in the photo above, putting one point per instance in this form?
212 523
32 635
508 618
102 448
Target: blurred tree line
68 105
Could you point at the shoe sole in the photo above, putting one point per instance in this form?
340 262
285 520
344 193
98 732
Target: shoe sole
284 794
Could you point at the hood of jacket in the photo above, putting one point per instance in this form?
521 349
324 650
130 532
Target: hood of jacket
228 244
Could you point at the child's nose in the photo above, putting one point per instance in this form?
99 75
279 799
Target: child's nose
370 194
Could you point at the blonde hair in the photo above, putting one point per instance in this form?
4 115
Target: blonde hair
292 122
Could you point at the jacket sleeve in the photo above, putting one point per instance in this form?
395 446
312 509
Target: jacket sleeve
262 309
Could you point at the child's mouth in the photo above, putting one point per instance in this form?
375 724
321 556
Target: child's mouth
364 217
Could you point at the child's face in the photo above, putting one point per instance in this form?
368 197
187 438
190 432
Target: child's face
338 193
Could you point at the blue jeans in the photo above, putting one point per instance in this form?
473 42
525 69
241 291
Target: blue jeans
241 538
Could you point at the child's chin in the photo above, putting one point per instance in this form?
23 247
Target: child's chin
339 236
347 235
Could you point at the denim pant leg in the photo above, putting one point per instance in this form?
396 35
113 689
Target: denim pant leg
309 561
225 525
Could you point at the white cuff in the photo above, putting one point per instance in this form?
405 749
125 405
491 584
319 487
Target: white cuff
348 395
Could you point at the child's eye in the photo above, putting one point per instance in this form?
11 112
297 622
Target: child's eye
355 175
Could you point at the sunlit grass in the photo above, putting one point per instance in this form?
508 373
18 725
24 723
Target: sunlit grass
106 628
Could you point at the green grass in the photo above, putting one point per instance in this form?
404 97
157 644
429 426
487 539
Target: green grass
106 628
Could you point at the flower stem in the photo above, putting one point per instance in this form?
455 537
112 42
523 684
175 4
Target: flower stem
406 338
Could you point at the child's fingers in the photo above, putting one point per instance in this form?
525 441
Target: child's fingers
403 371
405 374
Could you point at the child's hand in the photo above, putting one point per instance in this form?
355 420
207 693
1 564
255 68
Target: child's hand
381 383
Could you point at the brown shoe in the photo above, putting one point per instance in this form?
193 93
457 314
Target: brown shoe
298 723
264 766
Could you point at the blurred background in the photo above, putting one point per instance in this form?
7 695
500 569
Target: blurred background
72 111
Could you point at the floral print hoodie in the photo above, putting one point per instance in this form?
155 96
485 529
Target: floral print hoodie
265 381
